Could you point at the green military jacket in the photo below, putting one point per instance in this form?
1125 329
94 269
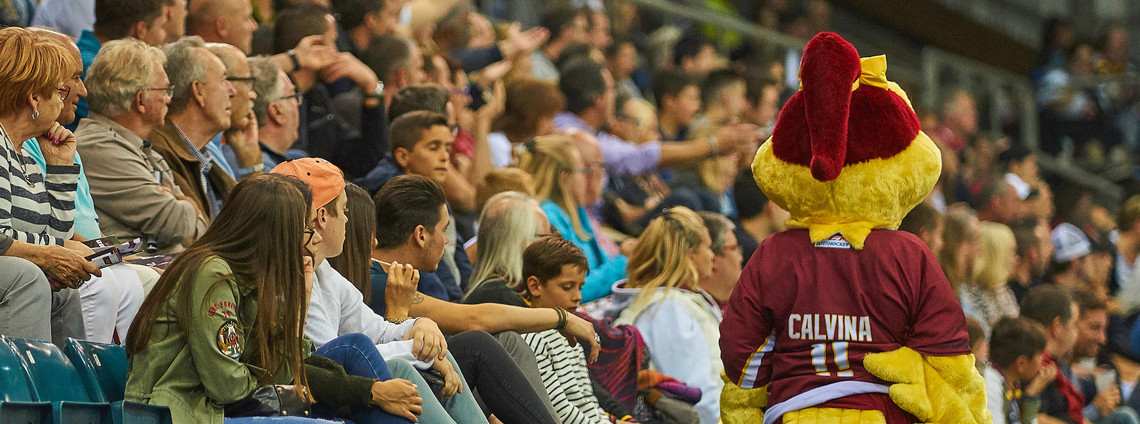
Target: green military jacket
196 376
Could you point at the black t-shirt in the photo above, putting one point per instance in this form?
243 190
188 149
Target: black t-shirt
494 290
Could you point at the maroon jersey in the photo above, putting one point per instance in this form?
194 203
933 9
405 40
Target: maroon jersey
803 315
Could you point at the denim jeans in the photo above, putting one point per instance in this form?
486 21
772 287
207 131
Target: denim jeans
458 409
275 420
356 353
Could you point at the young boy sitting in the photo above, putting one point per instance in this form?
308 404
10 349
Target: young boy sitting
555 271
1016 348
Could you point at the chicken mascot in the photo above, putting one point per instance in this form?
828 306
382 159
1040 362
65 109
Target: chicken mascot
842 319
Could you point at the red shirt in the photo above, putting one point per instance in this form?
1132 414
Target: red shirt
803 315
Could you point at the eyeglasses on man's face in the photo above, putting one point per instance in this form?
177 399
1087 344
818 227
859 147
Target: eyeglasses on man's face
299 97
244 80
167 91
64 92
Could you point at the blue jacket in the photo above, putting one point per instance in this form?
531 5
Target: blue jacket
604 270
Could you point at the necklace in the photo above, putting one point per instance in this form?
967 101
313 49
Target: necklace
18 156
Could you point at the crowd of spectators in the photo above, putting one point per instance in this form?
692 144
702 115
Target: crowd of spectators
412 210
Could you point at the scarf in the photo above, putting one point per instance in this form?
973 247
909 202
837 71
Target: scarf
1074 399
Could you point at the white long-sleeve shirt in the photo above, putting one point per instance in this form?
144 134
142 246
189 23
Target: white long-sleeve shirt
337 308
682 331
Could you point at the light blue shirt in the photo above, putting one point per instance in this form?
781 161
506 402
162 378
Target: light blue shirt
604 270
71 17
86 221
214 147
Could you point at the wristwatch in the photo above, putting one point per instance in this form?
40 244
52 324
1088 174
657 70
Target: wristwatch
377 92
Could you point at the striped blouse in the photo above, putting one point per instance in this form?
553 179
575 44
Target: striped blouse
35 208
567 380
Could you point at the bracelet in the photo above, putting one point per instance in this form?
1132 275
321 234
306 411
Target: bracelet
243 171
713 152
561 319
397 320
293 57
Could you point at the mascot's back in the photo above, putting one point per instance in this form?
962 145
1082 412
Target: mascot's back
842 319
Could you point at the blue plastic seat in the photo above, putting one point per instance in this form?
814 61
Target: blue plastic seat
17 405
53 379
103 368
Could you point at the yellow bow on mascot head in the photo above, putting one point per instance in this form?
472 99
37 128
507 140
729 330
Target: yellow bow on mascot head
847 154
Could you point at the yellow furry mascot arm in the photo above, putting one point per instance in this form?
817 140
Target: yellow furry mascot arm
934 389
741 406
937 387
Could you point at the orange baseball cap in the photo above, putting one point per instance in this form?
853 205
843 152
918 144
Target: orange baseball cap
324 178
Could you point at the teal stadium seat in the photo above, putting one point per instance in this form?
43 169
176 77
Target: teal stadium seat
103 368
17 405
53 379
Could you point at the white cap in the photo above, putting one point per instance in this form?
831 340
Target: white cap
1069 243
1020 186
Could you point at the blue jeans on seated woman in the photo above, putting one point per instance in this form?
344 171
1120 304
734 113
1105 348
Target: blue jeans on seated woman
276 420
356 353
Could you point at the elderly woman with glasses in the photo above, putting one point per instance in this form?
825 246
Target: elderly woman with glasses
38 207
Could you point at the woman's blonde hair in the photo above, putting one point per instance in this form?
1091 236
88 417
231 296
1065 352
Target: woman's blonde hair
546 158
994 264
32 64
661 258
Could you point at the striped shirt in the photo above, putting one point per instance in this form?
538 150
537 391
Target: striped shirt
567 380
206 163
35 208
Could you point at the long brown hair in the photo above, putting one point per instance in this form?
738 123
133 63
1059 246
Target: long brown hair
360 234
259 235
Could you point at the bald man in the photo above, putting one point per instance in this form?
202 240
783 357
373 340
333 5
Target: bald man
223 21
242 135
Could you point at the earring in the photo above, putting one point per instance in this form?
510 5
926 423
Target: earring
35 114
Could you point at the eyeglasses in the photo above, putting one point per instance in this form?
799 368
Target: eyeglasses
247 80
299 97
310 231
64 92
168 91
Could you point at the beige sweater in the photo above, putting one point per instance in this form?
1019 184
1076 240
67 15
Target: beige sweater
133 188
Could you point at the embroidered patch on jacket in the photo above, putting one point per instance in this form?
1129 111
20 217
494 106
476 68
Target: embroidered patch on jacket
834 242
230 340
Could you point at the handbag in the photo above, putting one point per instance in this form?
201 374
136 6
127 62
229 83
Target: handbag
271 400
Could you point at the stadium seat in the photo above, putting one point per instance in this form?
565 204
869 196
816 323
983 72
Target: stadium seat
54 380
17 404
103 368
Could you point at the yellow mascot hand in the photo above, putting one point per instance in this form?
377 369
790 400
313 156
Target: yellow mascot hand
935 389
741 406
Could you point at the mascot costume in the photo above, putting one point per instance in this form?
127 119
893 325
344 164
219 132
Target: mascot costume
842 319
